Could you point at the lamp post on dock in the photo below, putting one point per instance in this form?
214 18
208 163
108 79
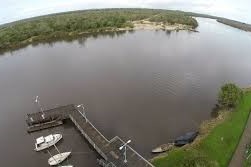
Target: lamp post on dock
83 113
124 146
39 105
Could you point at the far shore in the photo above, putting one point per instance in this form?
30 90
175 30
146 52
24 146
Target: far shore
148 25
61 26
137 25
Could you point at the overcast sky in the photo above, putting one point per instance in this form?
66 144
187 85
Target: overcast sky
12 10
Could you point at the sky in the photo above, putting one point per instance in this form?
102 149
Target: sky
12 10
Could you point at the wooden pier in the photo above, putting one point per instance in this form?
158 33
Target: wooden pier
107 149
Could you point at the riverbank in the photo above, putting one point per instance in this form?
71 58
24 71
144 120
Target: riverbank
57 36
217 141
232 23
235 24
150 25
71 24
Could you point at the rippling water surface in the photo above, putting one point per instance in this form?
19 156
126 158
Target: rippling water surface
147 86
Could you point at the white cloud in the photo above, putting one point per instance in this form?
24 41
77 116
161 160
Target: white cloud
14 10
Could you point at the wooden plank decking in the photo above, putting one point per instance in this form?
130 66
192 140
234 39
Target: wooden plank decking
108 149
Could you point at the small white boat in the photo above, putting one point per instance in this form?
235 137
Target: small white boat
163 148
67 166
58 158
46 142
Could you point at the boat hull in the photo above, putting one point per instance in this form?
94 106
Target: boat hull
43 146
58 158
186 139
163 148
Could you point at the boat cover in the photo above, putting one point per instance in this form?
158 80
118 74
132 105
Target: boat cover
187 138
49 138
40 140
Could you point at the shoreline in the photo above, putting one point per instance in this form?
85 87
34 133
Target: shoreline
235 24
149 25
218 140
57 36
205 129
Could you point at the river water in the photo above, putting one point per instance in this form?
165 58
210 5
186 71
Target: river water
147 86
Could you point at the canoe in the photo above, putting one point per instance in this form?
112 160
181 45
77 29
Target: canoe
163 148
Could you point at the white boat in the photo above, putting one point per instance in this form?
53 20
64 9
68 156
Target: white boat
163 148
67 166
46 142
58 158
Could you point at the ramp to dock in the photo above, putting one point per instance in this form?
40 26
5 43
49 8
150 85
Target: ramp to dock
107 149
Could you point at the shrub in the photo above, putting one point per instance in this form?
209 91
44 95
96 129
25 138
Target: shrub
229 95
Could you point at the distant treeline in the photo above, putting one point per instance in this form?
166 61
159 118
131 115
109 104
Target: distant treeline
173 17
70 24
43 28
236 24
229 22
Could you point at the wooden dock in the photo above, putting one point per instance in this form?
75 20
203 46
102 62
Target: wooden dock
107 149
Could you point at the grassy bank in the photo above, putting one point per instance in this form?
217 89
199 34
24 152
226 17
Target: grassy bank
42 28
217 148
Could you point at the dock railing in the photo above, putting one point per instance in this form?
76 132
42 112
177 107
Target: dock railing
107 149
88 138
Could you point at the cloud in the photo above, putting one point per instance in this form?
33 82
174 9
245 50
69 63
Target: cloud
12 10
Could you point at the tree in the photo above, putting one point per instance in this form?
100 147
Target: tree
229 95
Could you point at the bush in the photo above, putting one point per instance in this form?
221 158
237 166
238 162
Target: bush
229 95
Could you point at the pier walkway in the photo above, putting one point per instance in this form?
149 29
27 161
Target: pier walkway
107 149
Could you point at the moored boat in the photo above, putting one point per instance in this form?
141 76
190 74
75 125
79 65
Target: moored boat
185 139
46 142
58 158
163 148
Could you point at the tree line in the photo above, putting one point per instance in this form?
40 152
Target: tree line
62 24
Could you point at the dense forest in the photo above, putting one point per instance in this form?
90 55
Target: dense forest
60 25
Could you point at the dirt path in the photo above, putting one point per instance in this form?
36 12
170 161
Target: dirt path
239 155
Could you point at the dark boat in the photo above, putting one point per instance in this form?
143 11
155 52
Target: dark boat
185 139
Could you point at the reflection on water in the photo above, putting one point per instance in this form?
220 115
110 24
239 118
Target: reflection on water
81 39
147 86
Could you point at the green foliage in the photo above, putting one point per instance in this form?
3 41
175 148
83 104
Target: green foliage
47 27
218 147
229 95
185 158
173 17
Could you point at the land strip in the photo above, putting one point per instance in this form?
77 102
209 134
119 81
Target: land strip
73 24
217 147
239 154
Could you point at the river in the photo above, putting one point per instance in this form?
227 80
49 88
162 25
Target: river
147 86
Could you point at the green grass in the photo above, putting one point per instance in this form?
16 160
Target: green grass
212 151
